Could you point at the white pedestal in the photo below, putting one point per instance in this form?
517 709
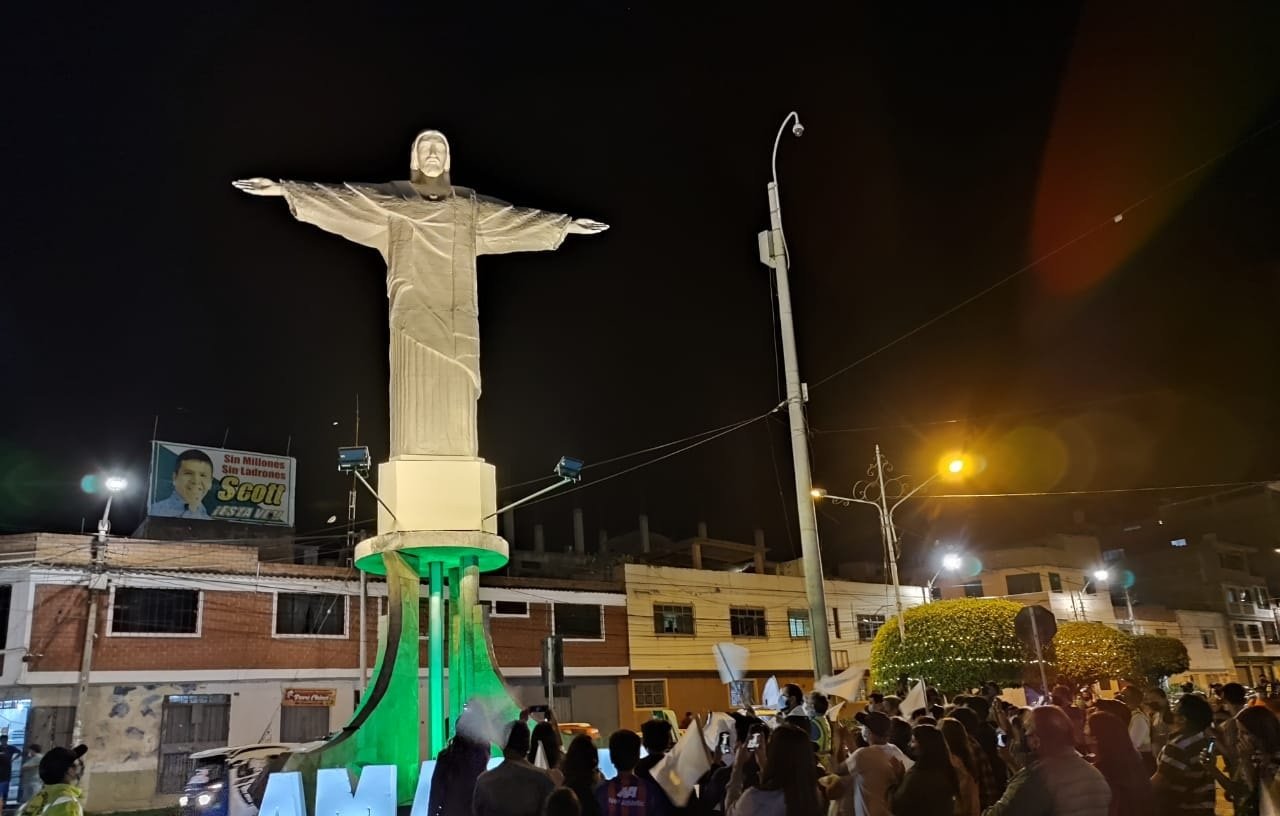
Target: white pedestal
445 510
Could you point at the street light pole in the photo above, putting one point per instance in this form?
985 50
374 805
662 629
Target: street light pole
773 253
876 484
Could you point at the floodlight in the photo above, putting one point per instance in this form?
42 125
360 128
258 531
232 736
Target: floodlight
354 460
569 468
951 561
116 483
1101 575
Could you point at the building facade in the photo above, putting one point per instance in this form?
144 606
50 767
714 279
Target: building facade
676 616
199 646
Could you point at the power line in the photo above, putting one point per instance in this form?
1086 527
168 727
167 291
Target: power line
1116 218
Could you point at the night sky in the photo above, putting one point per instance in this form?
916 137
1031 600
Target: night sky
946 148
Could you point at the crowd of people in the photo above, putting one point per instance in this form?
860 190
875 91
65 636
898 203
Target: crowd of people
972 755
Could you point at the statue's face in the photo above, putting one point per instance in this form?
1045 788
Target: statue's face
433 156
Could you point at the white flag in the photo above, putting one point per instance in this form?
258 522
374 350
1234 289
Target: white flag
845 684
731 661
719 723
769 699
833 713
915 699
682 767
540 759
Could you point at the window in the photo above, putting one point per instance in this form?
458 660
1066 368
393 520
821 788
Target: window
650 693
972 590
1055 582
742 693
1023 583
1178 542
311 615
1270 634
189 723
1261 598
579 621
1238 600
798 623
1208 639
510 609
155 611
669 619
835 620
1248 637
839 659
1232 561
868 625
745 622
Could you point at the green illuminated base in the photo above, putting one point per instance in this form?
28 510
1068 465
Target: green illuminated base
384 730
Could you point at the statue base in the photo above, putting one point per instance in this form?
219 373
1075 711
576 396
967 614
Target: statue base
445 511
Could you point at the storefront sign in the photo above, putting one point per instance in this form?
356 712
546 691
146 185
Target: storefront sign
310 697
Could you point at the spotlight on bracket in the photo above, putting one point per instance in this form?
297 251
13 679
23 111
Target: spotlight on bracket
354 460
569 468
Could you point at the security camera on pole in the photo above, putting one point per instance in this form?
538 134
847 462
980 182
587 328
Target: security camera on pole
773 253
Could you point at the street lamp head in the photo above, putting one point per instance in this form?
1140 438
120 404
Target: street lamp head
955 465
115 484
797 129
951 561
1101 575
818 493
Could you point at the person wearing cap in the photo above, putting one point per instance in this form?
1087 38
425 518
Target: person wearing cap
60 770
870 773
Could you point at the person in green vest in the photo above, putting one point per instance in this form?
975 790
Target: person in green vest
821 728
60 770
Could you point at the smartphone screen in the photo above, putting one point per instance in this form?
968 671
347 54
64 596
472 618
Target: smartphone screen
754 742
1001 739
724 743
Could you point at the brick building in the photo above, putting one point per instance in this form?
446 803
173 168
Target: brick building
203 645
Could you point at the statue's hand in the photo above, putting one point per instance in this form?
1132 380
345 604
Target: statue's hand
259 187
586 226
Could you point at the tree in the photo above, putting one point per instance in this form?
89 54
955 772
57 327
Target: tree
1158 657
954 645
1089 652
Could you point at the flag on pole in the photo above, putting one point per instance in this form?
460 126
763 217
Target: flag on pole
731 661
540 759
916 698
682 767
845 684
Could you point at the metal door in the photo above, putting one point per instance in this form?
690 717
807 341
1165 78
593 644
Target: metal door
191 723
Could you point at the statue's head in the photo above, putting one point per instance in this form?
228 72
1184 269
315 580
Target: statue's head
429 158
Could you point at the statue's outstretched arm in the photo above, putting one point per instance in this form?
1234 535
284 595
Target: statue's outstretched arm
259 186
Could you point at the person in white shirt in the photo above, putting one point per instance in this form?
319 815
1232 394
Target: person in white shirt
1139 726
869 774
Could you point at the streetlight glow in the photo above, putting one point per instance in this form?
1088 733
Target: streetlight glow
115 484
951 561
818 493
955 465
1101 575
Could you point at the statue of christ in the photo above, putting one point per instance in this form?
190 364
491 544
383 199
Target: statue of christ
429 233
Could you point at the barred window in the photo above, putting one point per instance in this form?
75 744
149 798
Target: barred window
669 619
744 622
650 693
155 611
319 615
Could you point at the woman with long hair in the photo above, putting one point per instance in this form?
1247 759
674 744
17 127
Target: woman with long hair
581 769
788 778
546 736
1120 764
931 784
1253 779
967 799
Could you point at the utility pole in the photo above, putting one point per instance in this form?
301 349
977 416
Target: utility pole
890 542
773 253
364 576
97 581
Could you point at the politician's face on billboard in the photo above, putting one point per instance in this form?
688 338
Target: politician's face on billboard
192 481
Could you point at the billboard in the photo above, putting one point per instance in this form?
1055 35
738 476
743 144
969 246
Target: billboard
195 482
